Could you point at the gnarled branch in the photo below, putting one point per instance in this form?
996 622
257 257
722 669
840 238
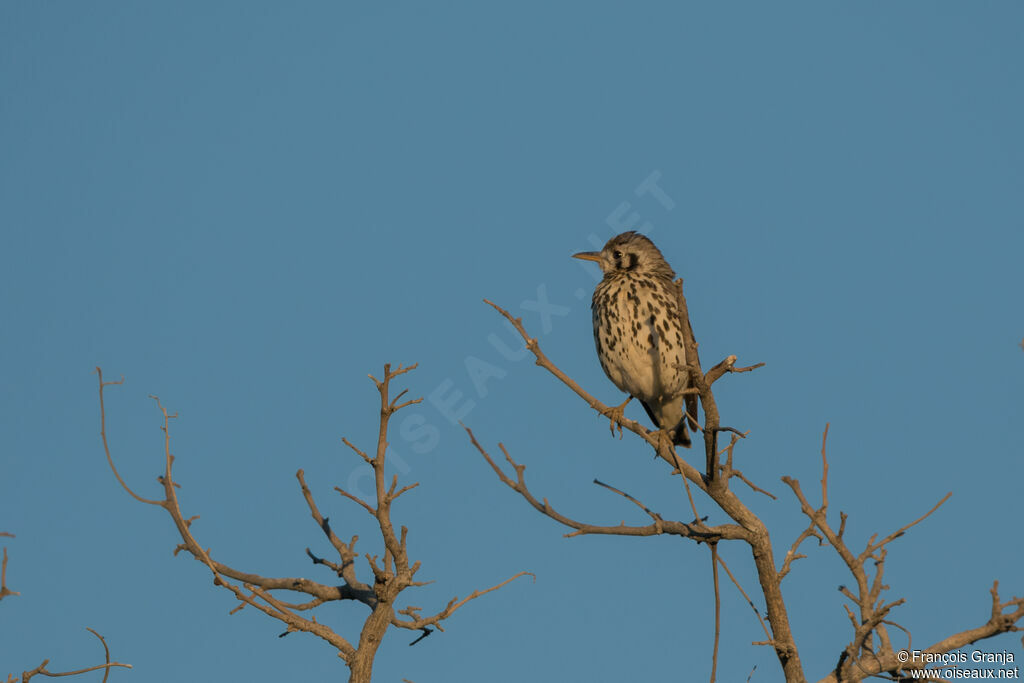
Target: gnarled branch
389 578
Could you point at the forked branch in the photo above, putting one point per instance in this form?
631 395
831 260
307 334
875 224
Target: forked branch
870 650
390 577
696 530
748 527
41 670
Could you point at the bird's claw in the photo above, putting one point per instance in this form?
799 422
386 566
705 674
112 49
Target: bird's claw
616 415
666 443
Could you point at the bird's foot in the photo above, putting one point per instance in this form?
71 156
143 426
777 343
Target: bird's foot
666 442
616 415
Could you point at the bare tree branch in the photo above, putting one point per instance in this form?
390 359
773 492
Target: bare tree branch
870 651
357 500
718 610
106 446
697 530
748 527
1001 621
41 670
865 657
653 515
418 622
390 578
746 597
4 590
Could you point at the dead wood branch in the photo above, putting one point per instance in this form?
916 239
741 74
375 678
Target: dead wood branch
390 578
870 651
4 590
748 527
41 670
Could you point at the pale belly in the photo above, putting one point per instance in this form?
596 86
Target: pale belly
641 349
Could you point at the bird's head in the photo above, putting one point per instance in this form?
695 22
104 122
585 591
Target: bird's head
629 252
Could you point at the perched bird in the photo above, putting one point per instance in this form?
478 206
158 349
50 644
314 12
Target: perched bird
637 330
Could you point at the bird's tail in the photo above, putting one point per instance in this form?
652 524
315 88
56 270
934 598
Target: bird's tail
681 437
670 415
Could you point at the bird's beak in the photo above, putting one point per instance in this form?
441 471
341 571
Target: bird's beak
589 256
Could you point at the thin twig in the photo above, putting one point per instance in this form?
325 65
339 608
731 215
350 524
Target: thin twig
4 590
356 499
41 670
718 610
754 487
899 532
749 525
654 515
106 446
257 591
746 597
453 604
697 531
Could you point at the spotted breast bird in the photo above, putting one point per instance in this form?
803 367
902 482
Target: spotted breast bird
637 330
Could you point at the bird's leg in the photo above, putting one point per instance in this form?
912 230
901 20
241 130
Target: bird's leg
616 415
666 442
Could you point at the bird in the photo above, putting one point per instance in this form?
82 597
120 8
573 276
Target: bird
638 332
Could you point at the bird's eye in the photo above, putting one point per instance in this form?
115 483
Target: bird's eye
617 254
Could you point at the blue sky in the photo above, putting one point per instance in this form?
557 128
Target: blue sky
244 208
